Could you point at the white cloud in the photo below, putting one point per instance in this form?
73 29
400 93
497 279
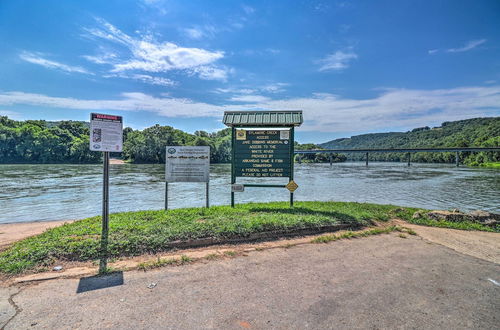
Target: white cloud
211 72
470 45
432 51
249 98
275 88
248 10
198 32
194 33
148 55
144 78
10 114
36 58
392 108
336 61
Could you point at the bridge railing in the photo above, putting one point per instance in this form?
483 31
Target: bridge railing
404 150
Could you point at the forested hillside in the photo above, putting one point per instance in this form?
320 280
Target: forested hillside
38 141
477 132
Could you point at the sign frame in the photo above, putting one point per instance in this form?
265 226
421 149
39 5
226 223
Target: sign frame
237 135
180 156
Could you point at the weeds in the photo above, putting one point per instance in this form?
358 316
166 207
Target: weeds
351 234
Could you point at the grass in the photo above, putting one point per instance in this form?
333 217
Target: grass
491 165
351 234
462 225
148 232
164 262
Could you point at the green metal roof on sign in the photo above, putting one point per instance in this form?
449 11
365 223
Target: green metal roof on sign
263 118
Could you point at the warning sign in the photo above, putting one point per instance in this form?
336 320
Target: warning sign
292 186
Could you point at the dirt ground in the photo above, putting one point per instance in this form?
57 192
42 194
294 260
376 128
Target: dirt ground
11 232
378 282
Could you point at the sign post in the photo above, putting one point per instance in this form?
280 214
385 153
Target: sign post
262 146
187 164
106 135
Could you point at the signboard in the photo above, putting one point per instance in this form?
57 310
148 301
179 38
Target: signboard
187 164
106 132
237 188
262 153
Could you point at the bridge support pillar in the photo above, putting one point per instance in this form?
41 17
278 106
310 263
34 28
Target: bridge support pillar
409 159
331 160
299 159
457 159
366 159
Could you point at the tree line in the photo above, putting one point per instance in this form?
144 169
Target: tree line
40 141
477 132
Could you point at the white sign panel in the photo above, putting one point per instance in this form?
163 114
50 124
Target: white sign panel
187 164
106 132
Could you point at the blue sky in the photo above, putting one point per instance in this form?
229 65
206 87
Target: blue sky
353 67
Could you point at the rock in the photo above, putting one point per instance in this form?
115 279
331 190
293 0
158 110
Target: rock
485 217
417 215
57 268
448 216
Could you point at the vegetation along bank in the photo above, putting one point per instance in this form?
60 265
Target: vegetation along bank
149 232
39 141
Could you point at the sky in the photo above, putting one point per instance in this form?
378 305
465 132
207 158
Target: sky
353 67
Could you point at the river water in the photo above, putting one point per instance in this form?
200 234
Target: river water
60 192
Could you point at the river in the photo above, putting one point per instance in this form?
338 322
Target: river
60 192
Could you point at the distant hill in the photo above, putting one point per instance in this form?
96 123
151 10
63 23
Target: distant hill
477 132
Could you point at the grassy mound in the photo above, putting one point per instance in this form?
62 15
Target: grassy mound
135 233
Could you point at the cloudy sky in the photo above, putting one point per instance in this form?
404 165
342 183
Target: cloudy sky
352 66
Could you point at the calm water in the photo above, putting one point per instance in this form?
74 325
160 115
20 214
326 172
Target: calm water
57 192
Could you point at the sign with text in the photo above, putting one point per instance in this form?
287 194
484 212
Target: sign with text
187 164
262 153
106 132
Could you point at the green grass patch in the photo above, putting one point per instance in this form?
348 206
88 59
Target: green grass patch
491 165
147 265
352 234
462 225
149 232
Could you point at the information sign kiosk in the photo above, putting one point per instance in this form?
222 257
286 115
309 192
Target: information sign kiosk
262 147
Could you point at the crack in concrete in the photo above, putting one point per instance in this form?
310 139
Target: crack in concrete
17 309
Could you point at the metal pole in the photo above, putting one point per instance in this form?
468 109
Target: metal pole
233 178
291 142
166 195
103 264
457 159
366 159
409 158
207 192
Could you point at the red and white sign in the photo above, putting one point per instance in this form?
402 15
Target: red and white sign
106 132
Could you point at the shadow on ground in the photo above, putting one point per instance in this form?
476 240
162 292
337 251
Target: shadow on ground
100 282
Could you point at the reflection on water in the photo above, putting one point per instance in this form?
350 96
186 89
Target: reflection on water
56 192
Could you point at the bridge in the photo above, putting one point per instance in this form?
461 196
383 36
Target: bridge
409 151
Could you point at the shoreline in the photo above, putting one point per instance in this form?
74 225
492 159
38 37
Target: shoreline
15 231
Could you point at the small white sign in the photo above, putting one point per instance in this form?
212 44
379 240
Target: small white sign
285 135
187 164
106 132
237 188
